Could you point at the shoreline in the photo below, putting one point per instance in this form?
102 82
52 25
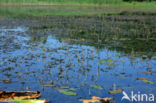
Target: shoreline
135 6
46 4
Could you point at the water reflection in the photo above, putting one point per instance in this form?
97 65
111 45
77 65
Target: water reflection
60 68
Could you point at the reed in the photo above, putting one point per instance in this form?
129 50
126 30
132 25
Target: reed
64 1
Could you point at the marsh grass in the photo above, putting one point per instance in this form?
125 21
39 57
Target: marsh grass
64 1
106 3
36 11
59 63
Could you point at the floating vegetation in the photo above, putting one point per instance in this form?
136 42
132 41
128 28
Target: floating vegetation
109 63
96 99
76 51
70 89
115 91
147 72
96 86
19 96
27 101
48 85
67 92
141 78
147 81
7 81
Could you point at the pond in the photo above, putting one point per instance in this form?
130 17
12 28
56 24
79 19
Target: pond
73 58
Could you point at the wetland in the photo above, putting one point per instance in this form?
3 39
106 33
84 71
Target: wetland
79 55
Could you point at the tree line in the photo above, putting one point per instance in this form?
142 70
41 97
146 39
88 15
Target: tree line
139 0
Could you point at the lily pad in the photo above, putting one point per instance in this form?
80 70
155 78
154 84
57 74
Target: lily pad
64 87
67 92
18 95
106 63
96 99
146 72
147 81
141 78
109 63
96 86
28 101
115 91
48 85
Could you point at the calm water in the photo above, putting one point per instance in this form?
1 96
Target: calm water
69 58
30 62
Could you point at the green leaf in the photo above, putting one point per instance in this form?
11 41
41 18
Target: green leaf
67 92
96 86
111 64
65 87
28 101
147 81
108 62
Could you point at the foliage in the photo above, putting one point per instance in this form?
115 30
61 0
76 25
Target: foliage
67 92
67 88
28 101
96 86
147 81
138 0
64 1
71 1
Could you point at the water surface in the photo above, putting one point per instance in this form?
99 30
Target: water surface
84 58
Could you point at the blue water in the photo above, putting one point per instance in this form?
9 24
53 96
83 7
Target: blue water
27 64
